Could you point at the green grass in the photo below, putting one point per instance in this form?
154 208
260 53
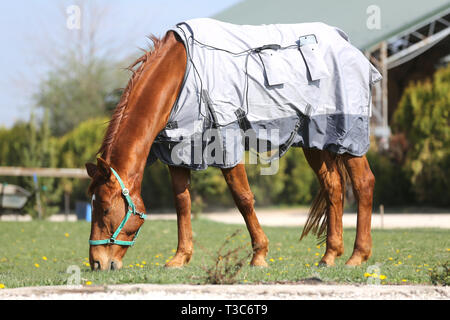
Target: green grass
39 253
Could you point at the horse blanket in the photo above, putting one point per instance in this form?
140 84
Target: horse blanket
266 88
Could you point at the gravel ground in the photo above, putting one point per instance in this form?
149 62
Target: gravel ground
229 292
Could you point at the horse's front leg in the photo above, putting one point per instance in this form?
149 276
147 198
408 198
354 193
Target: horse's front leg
180 184
237 181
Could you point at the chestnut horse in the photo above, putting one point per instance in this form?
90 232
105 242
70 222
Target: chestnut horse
141 114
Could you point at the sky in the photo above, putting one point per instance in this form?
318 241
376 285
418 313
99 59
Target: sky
31 30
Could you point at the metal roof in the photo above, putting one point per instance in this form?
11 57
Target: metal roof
352 16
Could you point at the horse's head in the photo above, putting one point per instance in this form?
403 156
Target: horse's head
116 216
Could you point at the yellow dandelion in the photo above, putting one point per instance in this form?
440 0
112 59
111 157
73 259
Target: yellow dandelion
316 264
88 283
409 256
307 265
404 280
317 253
131 266
2 286
382 277
36 265
448 249
367 275
390 259
318 246
397 251
87 264
66 235
144 262
268 274
309 249
156 264
399 262
280 258
44 258
245 280
271 260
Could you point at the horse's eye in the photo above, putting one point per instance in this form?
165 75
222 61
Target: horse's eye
105 212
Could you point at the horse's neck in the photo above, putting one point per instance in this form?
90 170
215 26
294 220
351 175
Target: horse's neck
148 111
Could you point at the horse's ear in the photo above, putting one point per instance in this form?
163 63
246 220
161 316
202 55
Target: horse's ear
91 169
103 168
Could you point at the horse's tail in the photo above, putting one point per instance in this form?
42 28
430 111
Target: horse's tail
317 217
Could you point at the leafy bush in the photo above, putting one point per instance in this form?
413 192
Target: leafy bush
423 115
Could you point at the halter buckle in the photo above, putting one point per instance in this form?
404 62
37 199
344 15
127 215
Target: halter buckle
112 241
141 214
125 192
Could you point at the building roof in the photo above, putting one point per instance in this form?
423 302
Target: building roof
349 15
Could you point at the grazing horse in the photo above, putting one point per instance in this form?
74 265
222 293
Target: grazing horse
141 114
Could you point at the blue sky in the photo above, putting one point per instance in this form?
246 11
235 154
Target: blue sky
26 28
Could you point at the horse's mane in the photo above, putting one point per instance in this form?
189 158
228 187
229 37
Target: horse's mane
120 111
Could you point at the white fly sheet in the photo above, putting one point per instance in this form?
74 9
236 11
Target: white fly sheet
305 80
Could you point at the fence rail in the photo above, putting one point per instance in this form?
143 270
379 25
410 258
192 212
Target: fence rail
44 172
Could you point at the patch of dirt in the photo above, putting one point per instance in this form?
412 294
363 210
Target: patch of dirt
305 289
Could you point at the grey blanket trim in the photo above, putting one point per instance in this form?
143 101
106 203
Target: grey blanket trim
299 131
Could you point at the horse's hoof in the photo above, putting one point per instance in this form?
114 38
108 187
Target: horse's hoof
259 262
177 262
173 266
355 261
323 264
327 260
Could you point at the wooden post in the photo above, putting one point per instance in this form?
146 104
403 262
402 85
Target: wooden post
66 205
38 197
384 91
382 216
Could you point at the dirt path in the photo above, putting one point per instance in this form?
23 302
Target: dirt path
228 292
297 217
294 217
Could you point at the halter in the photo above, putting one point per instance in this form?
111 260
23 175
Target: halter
131 211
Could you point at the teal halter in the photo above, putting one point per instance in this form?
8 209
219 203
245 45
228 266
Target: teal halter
131 211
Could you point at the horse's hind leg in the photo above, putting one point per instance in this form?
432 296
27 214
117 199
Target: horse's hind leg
363 182
180 184
236 179
324 165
